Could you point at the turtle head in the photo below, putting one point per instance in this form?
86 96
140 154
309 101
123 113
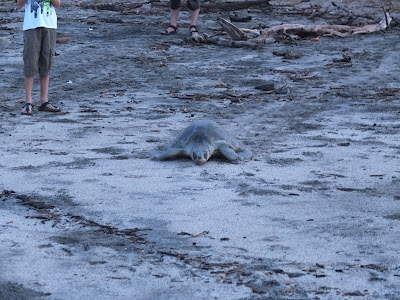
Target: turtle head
201 152
200 157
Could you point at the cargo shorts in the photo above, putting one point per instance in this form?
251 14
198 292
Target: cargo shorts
191 4
39 49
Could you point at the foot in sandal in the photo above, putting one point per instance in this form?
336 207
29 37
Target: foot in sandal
47 106
27 109
170 30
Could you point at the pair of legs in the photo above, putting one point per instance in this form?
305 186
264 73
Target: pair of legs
38 54
44 94
44 88
194 15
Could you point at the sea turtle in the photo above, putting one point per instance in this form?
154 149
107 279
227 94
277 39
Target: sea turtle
202 139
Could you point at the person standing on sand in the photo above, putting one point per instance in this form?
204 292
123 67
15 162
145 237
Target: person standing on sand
40 25
175 5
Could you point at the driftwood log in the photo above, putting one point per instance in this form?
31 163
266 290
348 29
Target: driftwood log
327 30
298 31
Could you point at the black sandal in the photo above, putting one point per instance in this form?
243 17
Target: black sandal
193 32
166 32
45 107
27 112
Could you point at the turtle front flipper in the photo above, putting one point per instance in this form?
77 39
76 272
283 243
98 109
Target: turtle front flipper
169 153
228 152
246 154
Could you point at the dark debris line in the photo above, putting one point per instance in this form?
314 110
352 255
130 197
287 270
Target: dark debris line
223 272
50 213
226 272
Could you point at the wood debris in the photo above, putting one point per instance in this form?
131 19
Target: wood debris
244 37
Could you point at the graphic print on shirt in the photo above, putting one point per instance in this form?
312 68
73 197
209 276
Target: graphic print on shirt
43 5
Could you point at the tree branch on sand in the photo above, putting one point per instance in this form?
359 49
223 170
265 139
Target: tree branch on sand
294 31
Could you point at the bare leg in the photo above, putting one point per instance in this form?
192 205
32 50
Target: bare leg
44 88
28 92
174 19
194 15
174 16
28 88
44 93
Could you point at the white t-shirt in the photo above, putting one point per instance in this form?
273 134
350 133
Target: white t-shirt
39 13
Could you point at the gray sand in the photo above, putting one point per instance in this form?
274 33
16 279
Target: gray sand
86 214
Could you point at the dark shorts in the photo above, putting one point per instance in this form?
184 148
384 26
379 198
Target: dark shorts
39 49
191 4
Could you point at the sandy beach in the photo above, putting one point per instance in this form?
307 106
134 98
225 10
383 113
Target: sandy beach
85 213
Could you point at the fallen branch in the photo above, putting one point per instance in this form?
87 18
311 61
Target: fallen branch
326 30
234 32
299 31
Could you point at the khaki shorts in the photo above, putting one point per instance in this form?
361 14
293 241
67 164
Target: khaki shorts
191 4
39 49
